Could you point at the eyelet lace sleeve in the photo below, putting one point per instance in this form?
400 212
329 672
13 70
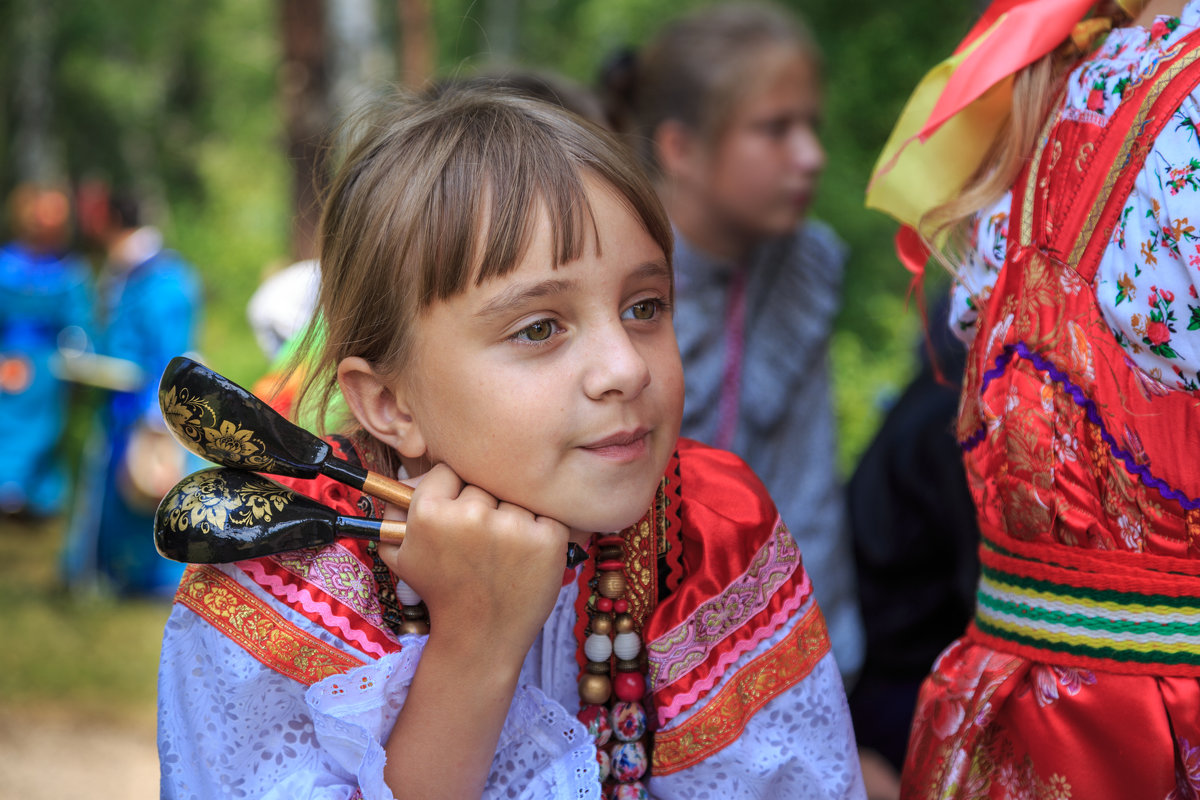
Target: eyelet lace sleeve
800 744
231 727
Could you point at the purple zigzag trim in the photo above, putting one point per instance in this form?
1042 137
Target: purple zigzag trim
995 372
1142 471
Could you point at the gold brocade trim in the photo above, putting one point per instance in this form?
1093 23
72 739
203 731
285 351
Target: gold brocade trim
258 629
1031 184
725 716
643 542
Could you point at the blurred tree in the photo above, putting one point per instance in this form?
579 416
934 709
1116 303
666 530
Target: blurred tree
34 158
418 47
189 101
304 89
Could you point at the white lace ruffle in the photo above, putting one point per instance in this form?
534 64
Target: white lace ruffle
231 727
543 750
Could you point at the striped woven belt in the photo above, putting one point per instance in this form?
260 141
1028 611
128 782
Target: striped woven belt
1117 612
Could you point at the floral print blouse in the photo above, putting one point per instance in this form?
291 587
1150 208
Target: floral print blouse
1146 284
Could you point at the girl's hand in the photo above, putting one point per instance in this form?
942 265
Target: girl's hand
488 571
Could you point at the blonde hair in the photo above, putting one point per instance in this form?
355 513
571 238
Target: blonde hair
1036 91
441 191
695 69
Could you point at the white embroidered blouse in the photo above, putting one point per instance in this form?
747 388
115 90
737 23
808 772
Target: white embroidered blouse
1146 283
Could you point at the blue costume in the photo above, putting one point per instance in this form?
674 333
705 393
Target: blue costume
150 313
40 295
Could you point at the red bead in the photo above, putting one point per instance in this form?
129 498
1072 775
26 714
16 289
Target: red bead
629 686
604 604
610 566
608 541
620 606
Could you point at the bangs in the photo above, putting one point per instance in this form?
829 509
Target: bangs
507 166
490 218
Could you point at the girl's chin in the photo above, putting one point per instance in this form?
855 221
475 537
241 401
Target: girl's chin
581 536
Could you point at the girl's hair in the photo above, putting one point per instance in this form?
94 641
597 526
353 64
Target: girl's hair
1036 91
695 69
442 191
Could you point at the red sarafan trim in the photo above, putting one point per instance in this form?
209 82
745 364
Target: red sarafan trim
258 629
723 717
1059 658
341 605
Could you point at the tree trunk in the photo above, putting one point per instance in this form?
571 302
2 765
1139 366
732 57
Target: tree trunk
416 41
32 146
304 84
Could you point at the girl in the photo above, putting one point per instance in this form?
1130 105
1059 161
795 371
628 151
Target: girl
725 107
1078 675
496 289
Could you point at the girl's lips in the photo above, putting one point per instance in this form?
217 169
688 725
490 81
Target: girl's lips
625 446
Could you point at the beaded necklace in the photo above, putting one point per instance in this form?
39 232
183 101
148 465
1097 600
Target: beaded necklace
622 582
613 683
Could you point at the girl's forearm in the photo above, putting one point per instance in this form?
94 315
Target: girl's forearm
445 737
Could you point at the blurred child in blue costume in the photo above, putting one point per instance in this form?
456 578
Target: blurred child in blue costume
150 300
44 290
724 106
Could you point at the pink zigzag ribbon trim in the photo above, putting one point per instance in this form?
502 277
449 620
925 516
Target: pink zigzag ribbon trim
304 599
681 649
760 634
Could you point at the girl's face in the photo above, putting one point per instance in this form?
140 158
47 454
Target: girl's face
559 390
759 176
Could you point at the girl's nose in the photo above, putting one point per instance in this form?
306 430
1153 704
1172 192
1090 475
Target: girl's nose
806 150
616 367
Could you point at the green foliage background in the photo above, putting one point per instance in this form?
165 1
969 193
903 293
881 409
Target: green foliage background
181 98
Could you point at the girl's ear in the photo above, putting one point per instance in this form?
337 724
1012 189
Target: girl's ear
380 407
676 148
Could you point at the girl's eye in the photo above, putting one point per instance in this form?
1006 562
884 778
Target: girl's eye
539 331
645 309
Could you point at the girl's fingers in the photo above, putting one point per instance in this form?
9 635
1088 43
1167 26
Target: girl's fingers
441 481
473 494
388 554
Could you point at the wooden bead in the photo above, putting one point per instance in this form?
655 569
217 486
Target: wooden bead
598 647
602 624
414 626
611 584
629 665
629 686
624 623
414 612
627 646
405 594
609 554
596 667
595 688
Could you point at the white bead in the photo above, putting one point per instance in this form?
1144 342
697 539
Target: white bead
405 594
626 646
597 647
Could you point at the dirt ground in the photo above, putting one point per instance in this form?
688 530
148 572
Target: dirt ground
49 756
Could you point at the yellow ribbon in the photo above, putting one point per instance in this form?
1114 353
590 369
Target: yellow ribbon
935 147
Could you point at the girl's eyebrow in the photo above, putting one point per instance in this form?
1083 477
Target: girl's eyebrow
653 269
519 294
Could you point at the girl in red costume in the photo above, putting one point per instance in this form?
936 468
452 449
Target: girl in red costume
1077 265
496 289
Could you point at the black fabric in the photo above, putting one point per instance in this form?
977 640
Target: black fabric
915 539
